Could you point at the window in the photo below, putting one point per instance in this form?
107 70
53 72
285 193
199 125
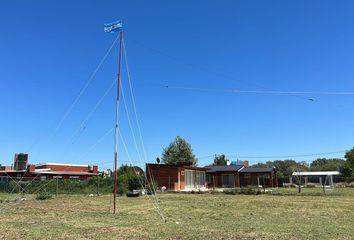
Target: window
189 179
200 178
194 179
228 181
208 178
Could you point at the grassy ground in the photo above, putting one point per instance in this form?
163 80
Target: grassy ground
310 215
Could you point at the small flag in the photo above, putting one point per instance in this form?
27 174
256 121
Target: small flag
113 27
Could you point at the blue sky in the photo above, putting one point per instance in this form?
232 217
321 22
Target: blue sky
50 49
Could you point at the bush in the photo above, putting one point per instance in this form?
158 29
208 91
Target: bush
243 190
250 191
340 185
231 191
43 195
134 183
122 184
310 185
198 191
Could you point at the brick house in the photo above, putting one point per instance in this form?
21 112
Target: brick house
23 171
177 177
223 176
257 176
233 176
65 171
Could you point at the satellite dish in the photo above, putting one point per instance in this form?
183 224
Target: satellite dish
158 160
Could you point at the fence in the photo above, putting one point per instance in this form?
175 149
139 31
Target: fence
96 185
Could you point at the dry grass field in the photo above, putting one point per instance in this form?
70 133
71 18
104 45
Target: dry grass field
288 215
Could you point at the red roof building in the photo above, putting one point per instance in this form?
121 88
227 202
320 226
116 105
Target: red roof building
23 171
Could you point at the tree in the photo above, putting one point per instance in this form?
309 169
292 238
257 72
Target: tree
135 182
220 160
349 157
346 170
285 168
129 178
132 170
179 151
323 164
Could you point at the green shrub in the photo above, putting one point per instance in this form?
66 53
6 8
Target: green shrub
250 191
135 182
231 191
43 195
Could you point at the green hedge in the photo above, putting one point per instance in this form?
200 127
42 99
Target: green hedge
66 186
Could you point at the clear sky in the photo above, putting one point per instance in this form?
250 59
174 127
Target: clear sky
49 49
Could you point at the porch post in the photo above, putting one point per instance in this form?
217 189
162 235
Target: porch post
238 180
179 181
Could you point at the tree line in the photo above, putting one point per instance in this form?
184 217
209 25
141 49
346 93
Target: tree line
180 152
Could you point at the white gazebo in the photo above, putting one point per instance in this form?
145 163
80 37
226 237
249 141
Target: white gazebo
328 175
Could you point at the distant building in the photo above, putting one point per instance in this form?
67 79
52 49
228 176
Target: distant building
23 171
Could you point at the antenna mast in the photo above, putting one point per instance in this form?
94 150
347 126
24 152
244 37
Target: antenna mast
116 125
112 28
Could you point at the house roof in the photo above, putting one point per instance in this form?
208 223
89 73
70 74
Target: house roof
256 170
224 168
65 173
178 166
61 164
